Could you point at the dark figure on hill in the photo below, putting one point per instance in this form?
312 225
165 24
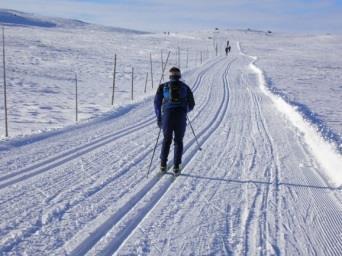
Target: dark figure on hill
172 102
227 49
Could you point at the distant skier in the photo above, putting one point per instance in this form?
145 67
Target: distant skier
172 102
228 48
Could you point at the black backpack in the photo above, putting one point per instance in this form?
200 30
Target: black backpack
175 92
175 95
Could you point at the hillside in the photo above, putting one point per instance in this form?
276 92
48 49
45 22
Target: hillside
17 18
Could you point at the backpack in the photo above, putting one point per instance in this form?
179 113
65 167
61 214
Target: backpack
175 95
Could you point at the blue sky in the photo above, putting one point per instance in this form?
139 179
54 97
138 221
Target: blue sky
181 15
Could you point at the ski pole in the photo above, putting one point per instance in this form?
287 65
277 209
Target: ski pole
154 150
193 132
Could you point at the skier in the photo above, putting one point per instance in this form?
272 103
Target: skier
227 50
172 102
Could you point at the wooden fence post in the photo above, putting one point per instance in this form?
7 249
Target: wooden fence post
146 82
162 61
132 96
114 76
5 86
151 70
76 98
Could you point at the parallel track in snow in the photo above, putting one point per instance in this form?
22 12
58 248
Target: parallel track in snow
146 198
254 189
251 173
77 194
77 152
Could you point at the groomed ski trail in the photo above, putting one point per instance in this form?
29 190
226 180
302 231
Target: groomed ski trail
254 189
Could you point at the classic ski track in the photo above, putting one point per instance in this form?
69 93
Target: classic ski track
114 220
316 201
63 158
268 204
276 186
204 189
319 201
323 206
69 155
220 159
109 249
213 144
88 191
263 192
84 128
326 206
68 204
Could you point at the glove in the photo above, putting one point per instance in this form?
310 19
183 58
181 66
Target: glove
159 122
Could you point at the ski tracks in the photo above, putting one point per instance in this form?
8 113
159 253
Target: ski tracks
135 210
90 184
255 189
177 204
259 195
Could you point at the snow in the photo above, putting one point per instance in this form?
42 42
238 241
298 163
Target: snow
306 71
18 18
266 181
41 64
324 152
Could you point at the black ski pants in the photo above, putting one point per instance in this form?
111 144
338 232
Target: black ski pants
173 125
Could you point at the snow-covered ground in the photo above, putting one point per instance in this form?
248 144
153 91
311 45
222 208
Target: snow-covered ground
306 70
265 183
41 65
42 62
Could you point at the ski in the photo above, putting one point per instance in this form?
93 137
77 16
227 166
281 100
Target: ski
176 174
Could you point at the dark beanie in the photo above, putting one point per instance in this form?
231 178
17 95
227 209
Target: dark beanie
175 73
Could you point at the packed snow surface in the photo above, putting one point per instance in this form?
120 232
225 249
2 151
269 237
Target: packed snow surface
307 72
267 182
42 63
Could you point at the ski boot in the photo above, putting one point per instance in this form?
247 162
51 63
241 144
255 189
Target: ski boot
163 168
176 170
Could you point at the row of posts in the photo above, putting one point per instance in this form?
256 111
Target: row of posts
163 67
4 69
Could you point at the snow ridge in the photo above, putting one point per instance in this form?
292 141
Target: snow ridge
309 115
324 151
